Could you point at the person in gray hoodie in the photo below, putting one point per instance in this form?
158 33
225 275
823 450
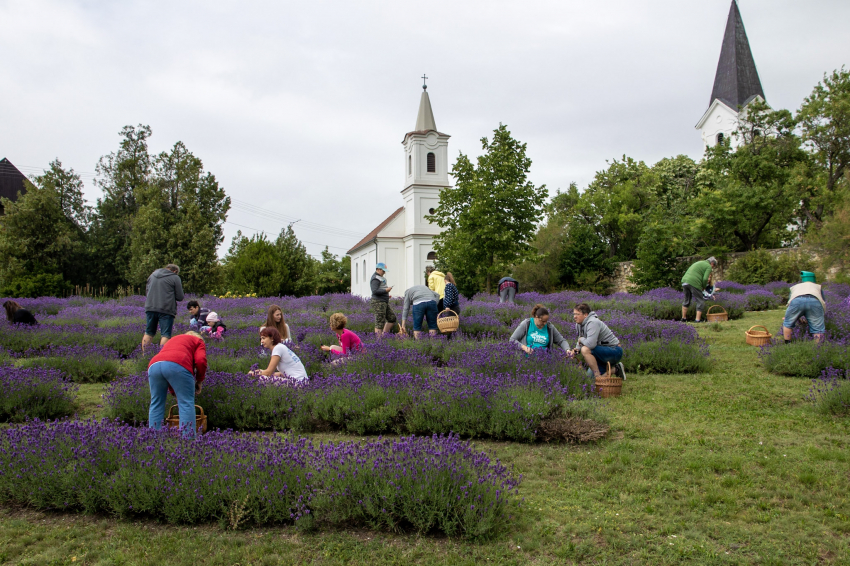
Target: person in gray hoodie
163 290
538 333
596 343
423 302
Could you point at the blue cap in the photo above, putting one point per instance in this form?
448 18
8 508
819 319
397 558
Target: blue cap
382 267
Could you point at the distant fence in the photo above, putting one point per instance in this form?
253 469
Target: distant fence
623 270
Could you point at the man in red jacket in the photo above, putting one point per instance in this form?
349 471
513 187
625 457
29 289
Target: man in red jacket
180 368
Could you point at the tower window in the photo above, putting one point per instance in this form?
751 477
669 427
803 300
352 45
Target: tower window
409 164
432 163
720 138
432 256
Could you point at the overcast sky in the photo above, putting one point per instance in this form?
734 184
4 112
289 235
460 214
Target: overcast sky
300 107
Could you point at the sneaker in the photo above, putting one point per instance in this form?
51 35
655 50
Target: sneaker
589 373
684 320
621 370
699 321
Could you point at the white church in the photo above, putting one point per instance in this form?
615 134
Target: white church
404 240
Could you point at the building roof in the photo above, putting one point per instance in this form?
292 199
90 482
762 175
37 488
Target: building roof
374 233
11 180
425 118
736 82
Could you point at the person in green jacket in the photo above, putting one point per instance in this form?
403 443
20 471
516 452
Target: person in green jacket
695 280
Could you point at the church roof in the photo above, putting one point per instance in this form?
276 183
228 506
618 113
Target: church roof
737 80
11 180
425 118
374 233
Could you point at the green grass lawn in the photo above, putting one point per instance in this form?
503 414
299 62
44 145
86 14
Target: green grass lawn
730 467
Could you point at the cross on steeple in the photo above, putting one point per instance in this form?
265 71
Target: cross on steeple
424 86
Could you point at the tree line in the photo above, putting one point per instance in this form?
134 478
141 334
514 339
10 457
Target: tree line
785 184
155 209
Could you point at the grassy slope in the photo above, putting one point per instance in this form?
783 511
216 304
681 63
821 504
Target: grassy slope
726 468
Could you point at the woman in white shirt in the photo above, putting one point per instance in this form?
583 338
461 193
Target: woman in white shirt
284 365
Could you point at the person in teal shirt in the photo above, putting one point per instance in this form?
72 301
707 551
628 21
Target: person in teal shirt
696 279
538 333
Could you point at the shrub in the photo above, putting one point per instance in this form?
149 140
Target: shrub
761 267
804 358
35 394
432 484
669 357
830 393
38 285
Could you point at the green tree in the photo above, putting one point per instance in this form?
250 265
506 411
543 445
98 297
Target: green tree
831 240
584 262
660 248
824 119
270 269
333 275
490 216
69 188
297 269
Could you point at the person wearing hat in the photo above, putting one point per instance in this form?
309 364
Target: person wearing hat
215 328
696 279
805 300
385 317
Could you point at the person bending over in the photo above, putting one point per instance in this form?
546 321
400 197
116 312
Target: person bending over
178 368
284 365
696 279
537 332
596 343
508 288
806 300
423 302
348 340
197 315
16 314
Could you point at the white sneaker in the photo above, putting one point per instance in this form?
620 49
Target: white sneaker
621 370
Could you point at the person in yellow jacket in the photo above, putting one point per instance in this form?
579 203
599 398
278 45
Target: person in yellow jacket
437 283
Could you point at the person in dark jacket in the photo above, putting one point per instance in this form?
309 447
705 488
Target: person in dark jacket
180 367
198 315
17 314
385 317
537 332
508 288
596 343
164 289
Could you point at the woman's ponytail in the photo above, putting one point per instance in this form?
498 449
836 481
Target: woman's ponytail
539 310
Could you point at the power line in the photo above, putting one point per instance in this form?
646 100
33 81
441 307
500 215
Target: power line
303 241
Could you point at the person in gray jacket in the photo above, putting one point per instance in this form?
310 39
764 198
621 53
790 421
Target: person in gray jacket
423 302
538 333
596 343
163 290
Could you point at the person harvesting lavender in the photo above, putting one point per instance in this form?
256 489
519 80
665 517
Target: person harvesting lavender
197 315
348 340
284 365
508 288
423 302
275 319
596 343
805 300
385 318
163 290
696 279
538 333
180 367
437 283
16 314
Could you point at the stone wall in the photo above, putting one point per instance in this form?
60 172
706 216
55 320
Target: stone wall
623 270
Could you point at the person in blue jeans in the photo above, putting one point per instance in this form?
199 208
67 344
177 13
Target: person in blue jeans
163 290
596 343
805 300
179 368
423 302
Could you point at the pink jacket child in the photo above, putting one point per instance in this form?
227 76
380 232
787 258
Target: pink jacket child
348 340
214 328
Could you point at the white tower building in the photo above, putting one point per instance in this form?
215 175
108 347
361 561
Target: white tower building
404 241
736 84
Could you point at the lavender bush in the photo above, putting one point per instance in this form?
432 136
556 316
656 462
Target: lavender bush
36 393
425 484
830 392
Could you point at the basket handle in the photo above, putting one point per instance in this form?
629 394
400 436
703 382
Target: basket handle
716 307
445 311
759 326
171 410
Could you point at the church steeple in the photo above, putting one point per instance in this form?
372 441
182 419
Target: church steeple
425 118
736 82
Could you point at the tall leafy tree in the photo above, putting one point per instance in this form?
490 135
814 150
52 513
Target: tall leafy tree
333 275
490 216
68 187
258 265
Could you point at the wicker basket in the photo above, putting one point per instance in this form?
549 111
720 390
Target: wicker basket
200 419
721 316
758 337
448 323
608 384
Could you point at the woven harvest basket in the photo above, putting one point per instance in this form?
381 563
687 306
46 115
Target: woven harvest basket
721 316
758 337
609 385
449 322
200 419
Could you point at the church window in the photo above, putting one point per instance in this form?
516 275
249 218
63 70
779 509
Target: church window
364 269
409 164
720 138
356 273
432 163
432 256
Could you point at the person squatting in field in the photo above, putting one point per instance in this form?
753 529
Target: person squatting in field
537 332
348 341
285 367
596 343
